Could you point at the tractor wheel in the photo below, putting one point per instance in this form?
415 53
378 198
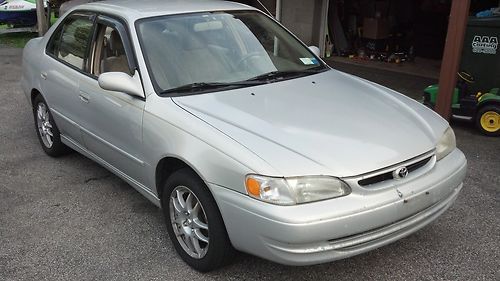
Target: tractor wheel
429 105
426 100
488 120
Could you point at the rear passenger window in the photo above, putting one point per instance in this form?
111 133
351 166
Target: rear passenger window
70 43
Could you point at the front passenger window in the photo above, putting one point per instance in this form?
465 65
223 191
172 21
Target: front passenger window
110 52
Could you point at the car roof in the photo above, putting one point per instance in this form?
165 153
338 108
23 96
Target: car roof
133 9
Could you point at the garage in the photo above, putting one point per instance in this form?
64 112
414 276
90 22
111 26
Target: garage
366 32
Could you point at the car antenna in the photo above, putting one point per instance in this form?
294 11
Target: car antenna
266 10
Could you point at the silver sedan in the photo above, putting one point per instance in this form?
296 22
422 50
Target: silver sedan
243 136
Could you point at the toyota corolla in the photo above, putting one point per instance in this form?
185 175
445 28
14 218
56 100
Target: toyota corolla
243 136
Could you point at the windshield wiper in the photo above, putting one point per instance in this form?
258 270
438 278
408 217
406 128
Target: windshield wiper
284 74
205 86
257 80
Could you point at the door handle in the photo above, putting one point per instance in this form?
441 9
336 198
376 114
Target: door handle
84 98
43 75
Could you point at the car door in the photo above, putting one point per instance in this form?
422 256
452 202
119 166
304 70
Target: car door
66 61
112 121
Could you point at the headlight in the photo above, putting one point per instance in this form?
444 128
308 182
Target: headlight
446 144
295 190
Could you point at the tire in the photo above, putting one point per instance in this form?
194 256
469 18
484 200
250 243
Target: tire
429 105
488 120
182 220
427 101
45 127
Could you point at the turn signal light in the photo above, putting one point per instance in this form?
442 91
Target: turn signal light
253 187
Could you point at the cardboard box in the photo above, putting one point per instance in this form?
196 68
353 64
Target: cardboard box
375 28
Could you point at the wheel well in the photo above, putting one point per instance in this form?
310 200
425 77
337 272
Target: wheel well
165 168
34 94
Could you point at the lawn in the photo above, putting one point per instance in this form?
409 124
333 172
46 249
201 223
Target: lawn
18 40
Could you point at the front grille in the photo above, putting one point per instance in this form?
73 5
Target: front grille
388 175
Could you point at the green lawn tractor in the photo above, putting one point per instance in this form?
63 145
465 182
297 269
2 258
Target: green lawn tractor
481 108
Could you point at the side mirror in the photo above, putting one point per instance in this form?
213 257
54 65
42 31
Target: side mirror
121 82
315 50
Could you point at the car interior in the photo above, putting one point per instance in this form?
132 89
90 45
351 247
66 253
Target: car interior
185 58
189 54
110 54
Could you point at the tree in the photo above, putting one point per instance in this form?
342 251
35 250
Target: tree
41 18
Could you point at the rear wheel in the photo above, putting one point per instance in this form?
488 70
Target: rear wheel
194 222
46 129
488 120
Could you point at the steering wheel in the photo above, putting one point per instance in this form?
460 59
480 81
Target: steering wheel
247 57
465 76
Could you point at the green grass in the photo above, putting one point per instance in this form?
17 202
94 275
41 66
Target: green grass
53 19
18 40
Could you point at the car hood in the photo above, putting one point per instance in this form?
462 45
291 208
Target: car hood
328 123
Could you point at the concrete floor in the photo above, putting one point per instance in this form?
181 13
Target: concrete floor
70 219
421 67
410 85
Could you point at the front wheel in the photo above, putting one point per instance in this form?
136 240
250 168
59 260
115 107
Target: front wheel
194 222
488 120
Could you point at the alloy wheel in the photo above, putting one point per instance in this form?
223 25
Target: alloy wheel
189 222
44 126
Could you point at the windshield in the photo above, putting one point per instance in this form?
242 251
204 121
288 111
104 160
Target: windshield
220 48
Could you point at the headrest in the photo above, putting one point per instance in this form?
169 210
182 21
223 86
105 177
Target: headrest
115 42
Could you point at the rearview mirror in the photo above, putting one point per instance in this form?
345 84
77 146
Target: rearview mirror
315 50
121 82
209 25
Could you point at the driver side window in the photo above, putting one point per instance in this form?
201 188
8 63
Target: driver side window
110 54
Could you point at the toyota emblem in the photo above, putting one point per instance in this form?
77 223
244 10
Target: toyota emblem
400 173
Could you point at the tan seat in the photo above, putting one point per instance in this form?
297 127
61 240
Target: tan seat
203 65
117 61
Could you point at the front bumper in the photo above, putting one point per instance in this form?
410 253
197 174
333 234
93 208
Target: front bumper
339 228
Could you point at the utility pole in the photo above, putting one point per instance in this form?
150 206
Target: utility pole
41 19
452 54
